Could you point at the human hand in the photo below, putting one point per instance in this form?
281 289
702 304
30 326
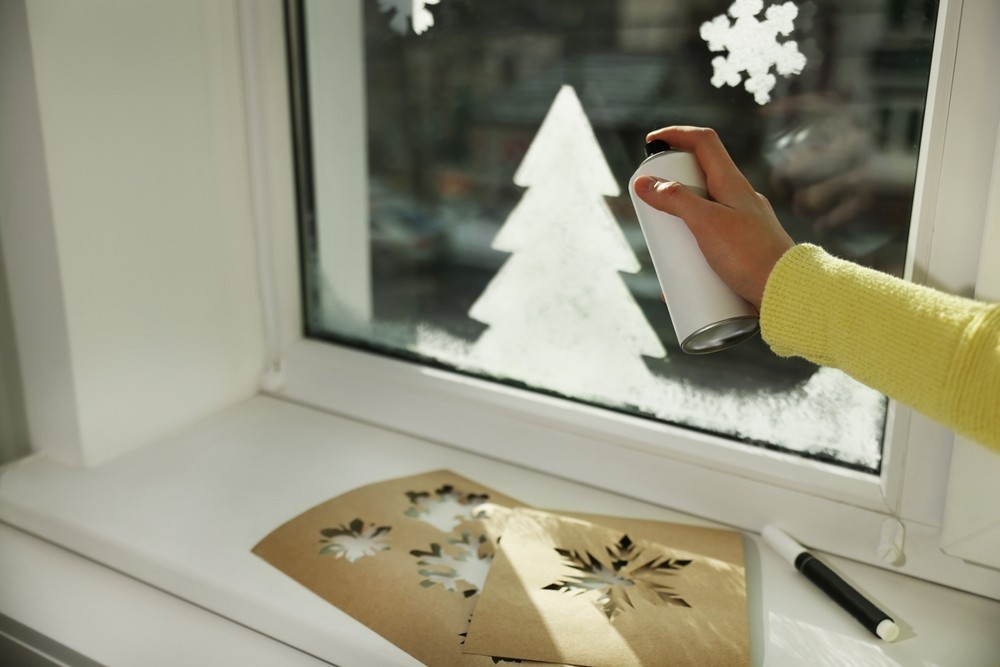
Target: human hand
735 228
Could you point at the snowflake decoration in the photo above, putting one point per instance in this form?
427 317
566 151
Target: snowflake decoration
620 579
409 13
355 541
445 508
464 562
753 46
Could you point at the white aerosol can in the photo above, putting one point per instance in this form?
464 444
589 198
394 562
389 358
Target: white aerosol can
707 315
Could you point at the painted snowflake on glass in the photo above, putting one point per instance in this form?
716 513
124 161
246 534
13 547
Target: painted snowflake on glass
355 540
445 508
409 13
460 567
621 577
753 46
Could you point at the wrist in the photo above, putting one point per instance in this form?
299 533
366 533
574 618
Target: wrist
765 271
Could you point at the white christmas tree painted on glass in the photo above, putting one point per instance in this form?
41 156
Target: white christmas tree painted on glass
560 316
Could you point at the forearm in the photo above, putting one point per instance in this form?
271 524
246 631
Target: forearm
935 352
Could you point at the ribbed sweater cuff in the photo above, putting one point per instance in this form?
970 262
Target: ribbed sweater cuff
794 312
933 351
887 333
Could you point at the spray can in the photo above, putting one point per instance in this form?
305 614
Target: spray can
707 315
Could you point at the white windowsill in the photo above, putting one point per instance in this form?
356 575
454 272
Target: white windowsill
182 515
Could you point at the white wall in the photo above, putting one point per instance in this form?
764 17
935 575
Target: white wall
150 264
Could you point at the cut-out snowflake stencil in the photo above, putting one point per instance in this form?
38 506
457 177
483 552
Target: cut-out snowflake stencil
445 508
621 577
753 46
460 567
355 540
496 659
409 13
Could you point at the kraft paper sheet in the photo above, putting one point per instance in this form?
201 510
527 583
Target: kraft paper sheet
405 557
567 590
415 558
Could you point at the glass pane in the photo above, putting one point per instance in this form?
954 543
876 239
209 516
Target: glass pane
500 239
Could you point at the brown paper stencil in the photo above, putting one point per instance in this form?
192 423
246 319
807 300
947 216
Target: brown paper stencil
412 557
406 557
567 590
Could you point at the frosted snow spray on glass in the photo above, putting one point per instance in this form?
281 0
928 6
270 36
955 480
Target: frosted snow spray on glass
707 315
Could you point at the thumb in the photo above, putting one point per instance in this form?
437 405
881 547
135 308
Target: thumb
670 197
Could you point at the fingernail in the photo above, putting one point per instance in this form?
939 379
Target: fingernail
647 183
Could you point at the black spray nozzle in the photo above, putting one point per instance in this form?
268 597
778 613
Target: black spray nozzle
656 146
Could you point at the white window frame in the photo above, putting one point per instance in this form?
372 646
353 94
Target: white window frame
894 520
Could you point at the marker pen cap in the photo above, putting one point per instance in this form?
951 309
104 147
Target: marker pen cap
707 315
887 630
782 544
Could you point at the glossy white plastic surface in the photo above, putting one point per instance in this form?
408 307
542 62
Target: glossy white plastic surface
183 514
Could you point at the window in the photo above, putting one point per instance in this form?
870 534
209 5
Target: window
407 208
477 259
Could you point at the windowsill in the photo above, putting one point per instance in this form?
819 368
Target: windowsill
182 516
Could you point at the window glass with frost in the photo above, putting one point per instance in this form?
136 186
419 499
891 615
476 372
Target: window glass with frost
487 151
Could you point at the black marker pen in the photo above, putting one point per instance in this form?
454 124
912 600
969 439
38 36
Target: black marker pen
870 616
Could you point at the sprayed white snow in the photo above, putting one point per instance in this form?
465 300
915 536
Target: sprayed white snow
409 13
753 46
828 414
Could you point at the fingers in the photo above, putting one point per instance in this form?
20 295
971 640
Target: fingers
736 228
726 184
673 198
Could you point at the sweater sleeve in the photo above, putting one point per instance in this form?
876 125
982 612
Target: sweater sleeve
935 352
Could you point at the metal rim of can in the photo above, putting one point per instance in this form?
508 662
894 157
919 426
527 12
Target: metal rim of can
688 344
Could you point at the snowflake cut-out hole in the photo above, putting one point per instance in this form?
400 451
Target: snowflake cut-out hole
461 567
620 577
355 540
753 46
446 508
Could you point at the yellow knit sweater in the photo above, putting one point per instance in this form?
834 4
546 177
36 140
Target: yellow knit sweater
938 353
